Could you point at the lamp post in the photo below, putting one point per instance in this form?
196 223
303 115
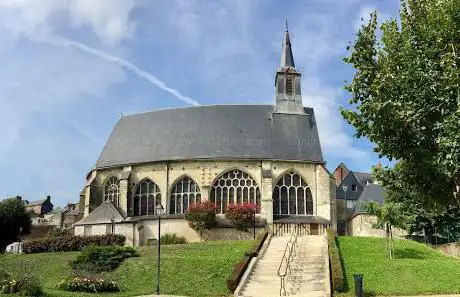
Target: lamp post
345 188
113 224
159 210
254 223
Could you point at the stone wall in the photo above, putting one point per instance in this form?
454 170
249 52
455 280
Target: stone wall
204 173
451 249
144 232
362 225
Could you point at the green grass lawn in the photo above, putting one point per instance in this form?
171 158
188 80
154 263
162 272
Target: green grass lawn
198 269
416 269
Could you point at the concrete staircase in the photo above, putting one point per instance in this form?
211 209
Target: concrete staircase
308 275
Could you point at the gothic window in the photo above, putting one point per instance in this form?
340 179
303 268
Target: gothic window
289 85
145 199
112 190
292 196
234 187
184 194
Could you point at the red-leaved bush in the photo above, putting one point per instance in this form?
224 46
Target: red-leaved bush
201 216
241 215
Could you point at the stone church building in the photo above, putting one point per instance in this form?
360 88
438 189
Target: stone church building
269 155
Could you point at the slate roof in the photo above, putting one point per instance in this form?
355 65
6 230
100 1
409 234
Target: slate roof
293 219
372 192
37 202
363 177
213 132
103 215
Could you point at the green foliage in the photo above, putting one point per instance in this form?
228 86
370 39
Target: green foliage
405 96
201 217
417 270
238 271
22 282
88 284
206 267
389 215
241 215
337 277
172 238
14 221
59 232
102 258
71 243
240 268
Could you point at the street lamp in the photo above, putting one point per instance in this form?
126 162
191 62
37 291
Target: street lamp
254 223
159 210
345 188
113 224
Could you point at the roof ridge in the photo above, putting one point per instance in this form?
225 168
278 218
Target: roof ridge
193 107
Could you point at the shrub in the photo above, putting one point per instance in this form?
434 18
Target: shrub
91 284
241 267
241 215
237 273
102 258
172 238
70 243
201 216
25 285
58 232
337 277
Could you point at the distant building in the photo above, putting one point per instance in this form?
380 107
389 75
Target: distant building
40 207
352 189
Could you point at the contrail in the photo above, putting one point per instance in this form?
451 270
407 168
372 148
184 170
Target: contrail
59 41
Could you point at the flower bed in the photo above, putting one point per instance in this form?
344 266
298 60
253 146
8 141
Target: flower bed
8 286
88 284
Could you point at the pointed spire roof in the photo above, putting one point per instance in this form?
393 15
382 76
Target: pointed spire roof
287 59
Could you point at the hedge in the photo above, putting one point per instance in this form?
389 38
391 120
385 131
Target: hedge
70 243
337 278
241 267
102 258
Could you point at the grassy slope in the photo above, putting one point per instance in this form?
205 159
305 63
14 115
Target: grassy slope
416 269
199 269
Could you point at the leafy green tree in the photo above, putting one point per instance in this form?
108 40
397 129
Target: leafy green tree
14 221
405 96
389 216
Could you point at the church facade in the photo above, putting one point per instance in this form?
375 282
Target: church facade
269 155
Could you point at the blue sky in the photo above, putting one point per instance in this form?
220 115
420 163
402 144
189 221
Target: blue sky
70 67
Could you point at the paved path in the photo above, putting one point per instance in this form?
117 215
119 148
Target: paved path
308 276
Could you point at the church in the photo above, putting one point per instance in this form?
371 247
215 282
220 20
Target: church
268 155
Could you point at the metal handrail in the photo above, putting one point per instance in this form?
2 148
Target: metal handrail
289 247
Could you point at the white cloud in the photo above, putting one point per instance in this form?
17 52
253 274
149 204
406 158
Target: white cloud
108 19
334 139
364 16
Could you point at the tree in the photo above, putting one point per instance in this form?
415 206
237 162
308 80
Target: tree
405 95
14 221
389 215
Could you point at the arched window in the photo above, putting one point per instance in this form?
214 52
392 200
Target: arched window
146 198
292 196
234 187
112 190
184 194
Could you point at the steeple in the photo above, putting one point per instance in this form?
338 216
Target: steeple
288 96
287 60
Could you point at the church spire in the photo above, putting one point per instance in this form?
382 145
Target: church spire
287 59
288 97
